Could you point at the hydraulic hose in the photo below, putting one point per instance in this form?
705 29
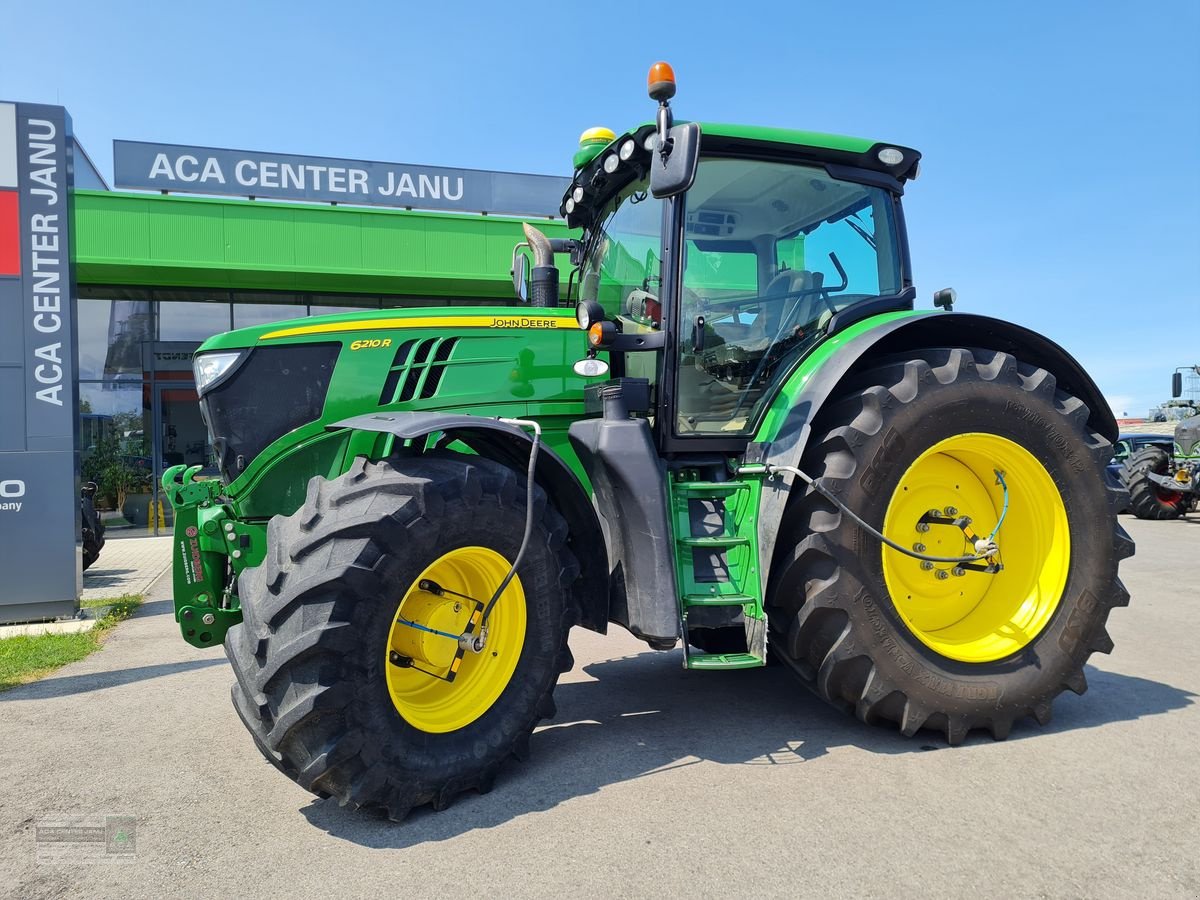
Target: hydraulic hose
984 547
529 483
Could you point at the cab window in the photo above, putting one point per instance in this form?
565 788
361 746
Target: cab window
774 250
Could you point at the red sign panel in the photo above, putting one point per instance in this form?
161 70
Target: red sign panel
10 234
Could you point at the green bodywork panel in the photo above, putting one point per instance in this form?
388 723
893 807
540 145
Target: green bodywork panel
815 139
792 390
505 362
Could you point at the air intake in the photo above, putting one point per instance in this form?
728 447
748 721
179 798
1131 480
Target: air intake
416 370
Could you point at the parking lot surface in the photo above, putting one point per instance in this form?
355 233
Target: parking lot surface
651 780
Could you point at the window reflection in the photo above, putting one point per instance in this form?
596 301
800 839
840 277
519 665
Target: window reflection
245 314
187 321
111 334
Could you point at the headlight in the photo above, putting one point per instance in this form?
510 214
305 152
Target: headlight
610 163
627 149
211 367
587 313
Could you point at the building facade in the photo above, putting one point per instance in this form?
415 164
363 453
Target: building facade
157 274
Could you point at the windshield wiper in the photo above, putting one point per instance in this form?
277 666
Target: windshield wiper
862 232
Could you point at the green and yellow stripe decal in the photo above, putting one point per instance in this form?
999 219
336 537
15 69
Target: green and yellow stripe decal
489 321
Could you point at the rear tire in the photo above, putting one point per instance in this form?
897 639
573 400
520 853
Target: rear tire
1146 499
311 654
834 620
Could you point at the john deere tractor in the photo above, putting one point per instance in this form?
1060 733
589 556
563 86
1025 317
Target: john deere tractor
734 435
1166 485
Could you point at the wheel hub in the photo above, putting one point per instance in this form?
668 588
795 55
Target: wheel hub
435 614
976 619
439 676
977 546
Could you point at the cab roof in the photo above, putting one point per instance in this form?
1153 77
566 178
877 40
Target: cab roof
840 151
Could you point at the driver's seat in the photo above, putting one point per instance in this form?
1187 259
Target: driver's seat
786 282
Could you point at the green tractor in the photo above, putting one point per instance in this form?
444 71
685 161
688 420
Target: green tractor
736 435
1165 485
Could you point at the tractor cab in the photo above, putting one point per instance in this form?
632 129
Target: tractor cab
714 259
715 256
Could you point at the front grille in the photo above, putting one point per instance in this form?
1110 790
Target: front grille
274 391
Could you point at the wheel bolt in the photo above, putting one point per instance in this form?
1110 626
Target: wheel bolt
922 527
934 512
919 547
958 571
941 574
926 565
951 511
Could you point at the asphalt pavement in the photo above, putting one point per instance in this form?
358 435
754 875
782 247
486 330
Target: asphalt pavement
651 781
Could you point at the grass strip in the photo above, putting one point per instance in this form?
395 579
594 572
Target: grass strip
26 658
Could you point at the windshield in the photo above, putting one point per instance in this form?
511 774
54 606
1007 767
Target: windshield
622 270
772 251
623 254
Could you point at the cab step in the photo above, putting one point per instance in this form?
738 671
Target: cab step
717 566
718 599
715 541
709 488
714 661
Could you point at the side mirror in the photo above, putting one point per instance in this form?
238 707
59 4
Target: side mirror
673 167
1176 385
520 275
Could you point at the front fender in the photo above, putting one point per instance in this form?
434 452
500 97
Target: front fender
509 445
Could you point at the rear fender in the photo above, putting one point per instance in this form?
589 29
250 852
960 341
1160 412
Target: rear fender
784 445
509 445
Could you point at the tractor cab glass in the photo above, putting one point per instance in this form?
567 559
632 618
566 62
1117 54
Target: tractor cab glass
771 252
622 269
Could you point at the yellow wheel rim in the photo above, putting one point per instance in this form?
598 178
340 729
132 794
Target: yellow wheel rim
424 698
977 617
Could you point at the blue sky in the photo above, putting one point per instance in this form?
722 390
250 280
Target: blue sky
1060 186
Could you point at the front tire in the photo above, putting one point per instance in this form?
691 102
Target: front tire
878 633
328 676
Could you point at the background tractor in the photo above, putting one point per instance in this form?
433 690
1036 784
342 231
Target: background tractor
742 440
1162 484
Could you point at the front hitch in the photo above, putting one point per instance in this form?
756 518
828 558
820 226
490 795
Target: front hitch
204 607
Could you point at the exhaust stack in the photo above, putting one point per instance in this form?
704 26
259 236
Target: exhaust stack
543 286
